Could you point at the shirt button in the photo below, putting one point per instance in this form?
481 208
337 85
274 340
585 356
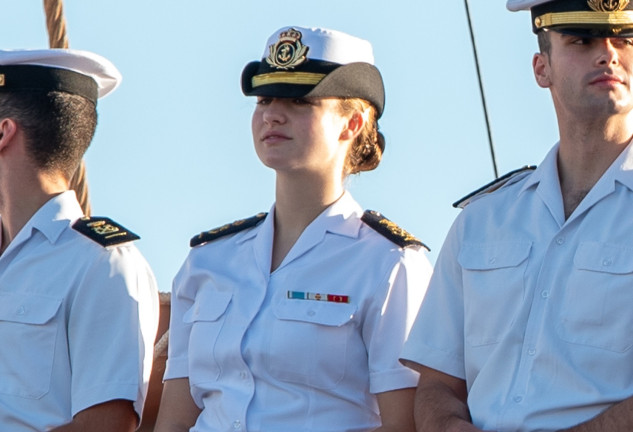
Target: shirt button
311 313
243 375
237 424
518 399
531 351
607 262
560 240
545 294
492 260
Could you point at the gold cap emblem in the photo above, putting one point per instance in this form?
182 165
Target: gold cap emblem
288 52
608 5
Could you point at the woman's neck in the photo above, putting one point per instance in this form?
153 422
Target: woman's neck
298 202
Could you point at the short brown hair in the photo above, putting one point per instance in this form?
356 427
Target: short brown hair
58 126
366 151
544 43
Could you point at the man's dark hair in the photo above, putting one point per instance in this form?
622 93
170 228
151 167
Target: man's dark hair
58 126
544 43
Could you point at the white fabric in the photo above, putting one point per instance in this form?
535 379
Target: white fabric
77 322
98 68
329 45
259 361
517 5
532 310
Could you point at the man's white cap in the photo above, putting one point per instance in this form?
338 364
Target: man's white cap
72 71
517 5
587 18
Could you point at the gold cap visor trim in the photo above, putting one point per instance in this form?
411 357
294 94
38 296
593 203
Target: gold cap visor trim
305 78
588 18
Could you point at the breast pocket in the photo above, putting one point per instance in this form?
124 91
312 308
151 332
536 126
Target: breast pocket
597 301
28 333
494 288
310 342
206 316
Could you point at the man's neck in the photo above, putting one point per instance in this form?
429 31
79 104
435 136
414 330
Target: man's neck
586 151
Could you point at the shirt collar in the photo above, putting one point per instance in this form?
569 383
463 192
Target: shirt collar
547 170
337 219
53 217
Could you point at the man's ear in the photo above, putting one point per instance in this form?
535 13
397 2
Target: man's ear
354 126
8 130
540 65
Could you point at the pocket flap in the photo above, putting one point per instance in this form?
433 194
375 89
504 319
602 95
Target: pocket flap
316 312
489 256
604 257
209 306
27 308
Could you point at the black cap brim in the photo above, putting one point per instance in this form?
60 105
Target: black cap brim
353 80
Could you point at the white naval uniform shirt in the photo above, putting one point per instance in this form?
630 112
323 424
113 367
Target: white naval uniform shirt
77 322
532 310
260 361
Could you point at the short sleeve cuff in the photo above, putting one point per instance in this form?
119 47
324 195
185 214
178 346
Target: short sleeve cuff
107 392
394 379
443 361
176 368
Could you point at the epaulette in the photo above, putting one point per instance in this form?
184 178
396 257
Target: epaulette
391 231
227 229
506 179
104 231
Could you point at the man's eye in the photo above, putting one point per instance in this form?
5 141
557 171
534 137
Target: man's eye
263 101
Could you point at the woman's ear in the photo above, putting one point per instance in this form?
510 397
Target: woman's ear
353 127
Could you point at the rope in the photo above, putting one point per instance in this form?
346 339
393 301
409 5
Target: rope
161 346
56 24
481 91
58 38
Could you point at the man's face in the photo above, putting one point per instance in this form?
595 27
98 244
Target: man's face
587 76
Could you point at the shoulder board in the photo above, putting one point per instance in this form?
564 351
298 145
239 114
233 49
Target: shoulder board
227 229
497 183
391 231
104 231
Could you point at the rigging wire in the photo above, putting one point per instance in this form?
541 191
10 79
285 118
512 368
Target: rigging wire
481 91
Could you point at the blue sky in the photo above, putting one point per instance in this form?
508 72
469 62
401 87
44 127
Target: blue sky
173 152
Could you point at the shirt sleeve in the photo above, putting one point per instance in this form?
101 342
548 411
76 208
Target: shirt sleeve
111 330
437 337
182 299
389 319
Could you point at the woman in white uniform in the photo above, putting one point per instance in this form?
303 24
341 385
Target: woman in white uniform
293 320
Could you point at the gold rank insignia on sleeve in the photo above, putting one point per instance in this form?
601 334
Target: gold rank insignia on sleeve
104 231
391 231
227 229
